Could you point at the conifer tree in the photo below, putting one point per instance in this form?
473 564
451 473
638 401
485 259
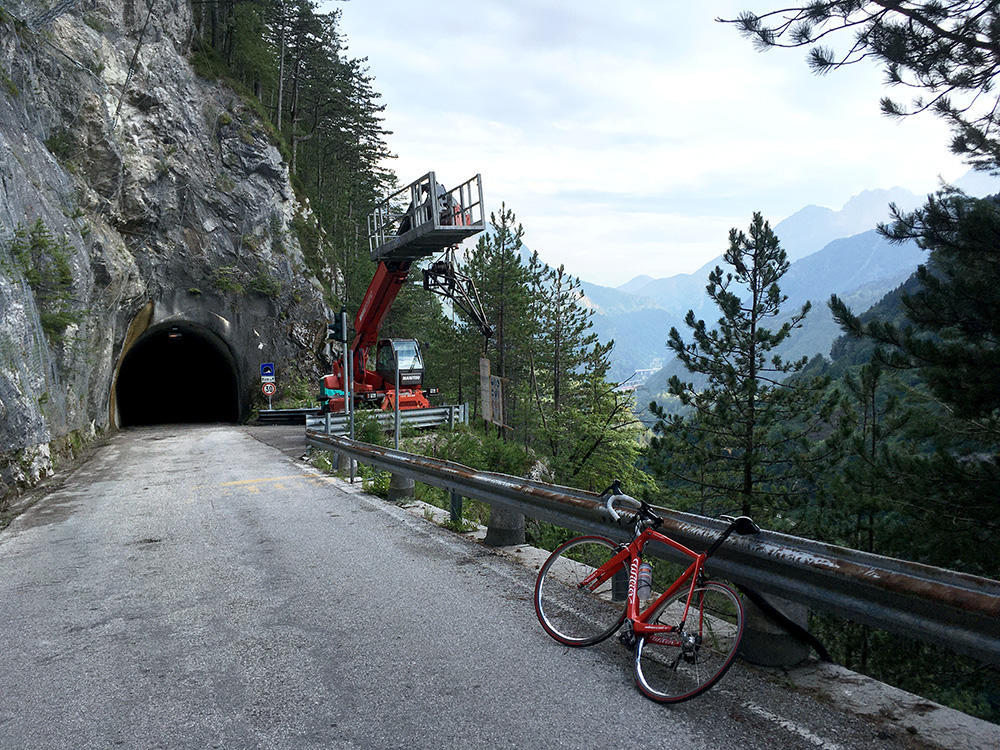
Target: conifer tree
871 419
328 120
582 422
940 481
950 337
253 57
744 435
944 53
496 268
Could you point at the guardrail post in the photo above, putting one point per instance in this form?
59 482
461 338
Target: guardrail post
619 585
506 528
343 461
456 506
400 488
767 644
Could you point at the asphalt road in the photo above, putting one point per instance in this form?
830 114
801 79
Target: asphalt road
195 587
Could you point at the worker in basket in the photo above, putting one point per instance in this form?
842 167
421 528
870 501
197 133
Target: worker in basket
450 210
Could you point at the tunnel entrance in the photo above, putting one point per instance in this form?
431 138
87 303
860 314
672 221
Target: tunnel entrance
177 373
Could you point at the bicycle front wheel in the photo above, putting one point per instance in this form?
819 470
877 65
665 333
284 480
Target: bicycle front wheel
574 615
674 667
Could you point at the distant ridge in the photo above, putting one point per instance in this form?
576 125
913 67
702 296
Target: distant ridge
635 285
831 251
812 228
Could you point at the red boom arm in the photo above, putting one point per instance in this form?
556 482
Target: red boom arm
382 292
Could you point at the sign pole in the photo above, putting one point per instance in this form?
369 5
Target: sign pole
345 381
396 354
267 378
350 382
484 389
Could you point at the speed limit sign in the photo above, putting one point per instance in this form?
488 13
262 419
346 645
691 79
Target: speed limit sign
268 389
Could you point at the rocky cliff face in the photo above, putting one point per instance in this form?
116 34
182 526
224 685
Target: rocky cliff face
135 199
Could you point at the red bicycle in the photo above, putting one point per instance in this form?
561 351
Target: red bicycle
684 639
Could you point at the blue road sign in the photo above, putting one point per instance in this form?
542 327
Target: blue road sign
267 370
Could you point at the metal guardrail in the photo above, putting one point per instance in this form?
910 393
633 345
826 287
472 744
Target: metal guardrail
435 416
285 416
956 610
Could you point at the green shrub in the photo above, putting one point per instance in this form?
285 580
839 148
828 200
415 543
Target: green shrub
95 23
60 145
367 428
322 461
206 61
228 279
297 392
378 485
309 240
8 84
264 283
43 261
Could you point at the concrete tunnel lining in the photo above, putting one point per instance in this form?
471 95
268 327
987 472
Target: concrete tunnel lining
178 372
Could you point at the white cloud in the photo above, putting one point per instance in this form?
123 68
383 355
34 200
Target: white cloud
640 132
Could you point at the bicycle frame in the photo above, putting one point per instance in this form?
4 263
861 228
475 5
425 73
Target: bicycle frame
633 552
683 642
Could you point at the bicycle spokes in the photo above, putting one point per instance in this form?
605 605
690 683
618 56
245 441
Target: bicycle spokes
676 666
571 611
683 643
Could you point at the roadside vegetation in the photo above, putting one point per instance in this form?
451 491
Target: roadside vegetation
891 446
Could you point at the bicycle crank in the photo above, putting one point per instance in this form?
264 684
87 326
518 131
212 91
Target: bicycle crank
627 636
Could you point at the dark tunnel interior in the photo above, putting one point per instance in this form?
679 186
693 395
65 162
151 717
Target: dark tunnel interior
177 374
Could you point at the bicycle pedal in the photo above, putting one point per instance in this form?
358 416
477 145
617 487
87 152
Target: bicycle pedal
627 638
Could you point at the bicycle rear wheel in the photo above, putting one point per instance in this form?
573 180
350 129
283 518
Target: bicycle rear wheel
675 667
573 615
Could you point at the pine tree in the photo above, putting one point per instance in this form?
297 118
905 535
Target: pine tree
253 58
872 419
943 52
745 434
587 427
950 338
328 122
496 268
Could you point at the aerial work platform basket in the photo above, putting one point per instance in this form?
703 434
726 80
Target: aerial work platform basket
424 217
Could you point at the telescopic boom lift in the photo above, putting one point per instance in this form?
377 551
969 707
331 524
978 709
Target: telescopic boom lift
435 220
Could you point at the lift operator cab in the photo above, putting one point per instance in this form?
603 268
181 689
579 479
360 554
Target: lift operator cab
404 354
434 220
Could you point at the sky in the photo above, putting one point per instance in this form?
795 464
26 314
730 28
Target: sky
628 138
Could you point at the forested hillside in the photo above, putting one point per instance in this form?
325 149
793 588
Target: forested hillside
291 61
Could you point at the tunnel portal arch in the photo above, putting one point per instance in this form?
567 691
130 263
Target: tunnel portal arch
177 372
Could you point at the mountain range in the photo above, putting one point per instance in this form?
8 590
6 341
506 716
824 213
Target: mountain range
831 252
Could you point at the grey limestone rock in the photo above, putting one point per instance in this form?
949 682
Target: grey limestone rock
167 204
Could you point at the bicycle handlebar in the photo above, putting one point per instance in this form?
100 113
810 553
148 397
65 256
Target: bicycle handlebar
621 497
742 525
644 511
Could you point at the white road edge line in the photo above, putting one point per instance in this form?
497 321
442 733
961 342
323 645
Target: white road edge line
792 727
